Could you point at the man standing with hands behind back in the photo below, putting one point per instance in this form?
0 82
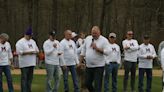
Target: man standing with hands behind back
130 47
27 50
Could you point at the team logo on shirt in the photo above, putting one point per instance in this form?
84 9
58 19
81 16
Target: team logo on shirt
3 49
114 49
30 46
131 44
70 46
147 49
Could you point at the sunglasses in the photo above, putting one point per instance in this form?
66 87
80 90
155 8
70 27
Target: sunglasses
112 37
130 34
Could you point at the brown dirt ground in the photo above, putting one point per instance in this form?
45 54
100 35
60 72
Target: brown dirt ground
16 86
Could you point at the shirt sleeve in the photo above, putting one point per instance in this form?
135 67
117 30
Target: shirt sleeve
47 48
154 52
119 56
159 49
106 47
19 48
36 47
83 49
10 52
162 59
75 52
61 60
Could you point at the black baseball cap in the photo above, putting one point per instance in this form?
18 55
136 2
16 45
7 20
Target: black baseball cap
52 33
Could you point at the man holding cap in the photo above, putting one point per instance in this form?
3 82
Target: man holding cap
112 63
146 55
27 50
53 53
5 59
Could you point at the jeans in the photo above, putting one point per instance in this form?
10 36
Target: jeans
6 70
52 75
94 76
111 69
26 78
129 67
72 69
141 79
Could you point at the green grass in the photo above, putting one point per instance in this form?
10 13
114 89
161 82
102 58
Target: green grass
39 83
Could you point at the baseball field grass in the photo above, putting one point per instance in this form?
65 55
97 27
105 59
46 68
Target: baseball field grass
38 84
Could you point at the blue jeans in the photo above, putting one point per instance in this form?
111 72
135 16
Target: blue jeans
6 70
111 69
94 76
72 69
141 79
52 75
26 78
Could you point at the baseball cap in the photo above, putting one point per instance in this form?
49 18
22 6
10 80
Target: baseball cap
112 35
146 36
29 31
4 35
52 33
74 34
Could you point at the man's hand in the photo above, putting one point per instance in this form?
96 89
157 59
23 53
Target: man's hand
64 67
55 45
126 47
59 53
150 57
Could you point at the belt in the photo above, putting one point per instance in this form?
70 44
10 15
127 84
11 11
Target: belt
113 62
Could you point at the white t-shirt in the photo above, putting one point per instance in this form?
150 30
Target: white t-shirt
130 54
162 59
51 53
114 54
5 54
69 50
22 46
144 51
92 57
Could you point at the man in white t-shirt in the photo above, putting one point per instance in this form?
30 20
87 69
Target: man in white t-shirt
162 66
52 53
146 55
130 47
69 50
113 59
5 58
94 51
27 51
160 47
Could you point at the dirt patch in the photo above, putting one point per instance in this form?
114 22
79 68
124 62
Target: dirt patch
156 72
16 86
36 71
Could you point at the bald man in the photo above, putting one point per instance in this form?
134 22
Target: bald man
93 51
69 50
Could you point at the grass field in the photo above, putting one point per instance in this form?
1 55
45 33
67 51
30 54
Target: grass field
39 84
